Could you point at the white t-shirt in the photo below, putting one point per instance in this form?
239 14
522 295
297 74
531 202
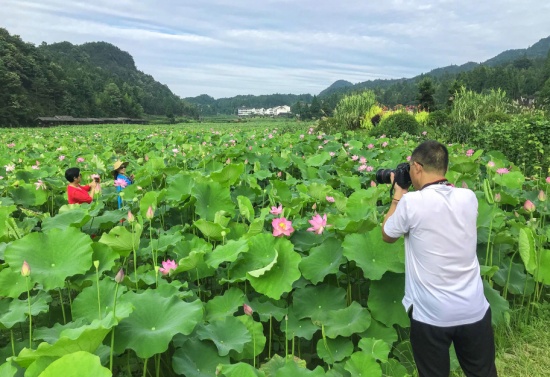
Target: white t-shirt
442 277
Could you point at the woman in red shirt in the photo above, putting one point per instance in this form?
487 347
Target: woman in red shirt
77 194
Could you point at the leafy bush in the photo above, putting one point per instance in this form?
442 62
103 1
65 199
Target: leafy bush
496 118
372 117
422 118
524 140
351 110
397 124
330 125
438 118
469 106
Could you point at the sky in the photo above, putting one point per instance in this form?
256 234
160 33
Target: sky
228 48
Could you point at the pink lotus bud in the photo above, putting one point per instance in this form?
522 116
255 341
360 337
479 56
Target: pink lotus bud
542 196
150 213
529 206
25 269
131 217
248 310
119 277
497 197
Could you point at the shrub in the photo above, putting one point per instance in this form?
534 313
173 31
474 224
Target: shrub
351 110
496 117
331 126
397 124
469 106
422 118
372 117
438 118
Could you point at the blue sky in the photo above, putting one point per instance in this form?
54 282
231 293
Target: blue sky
224 48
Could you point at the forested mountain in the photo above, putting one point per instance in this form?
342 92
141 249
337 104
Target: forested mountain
91 80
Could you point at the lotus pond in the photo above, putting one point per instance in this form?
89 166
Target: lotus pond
239 251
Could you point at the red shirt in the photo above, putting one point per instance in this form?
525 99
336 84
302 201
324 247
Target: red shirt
78 195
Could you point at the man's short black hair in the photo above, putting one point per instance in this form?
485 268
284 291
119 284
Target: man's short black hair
71 174
433 155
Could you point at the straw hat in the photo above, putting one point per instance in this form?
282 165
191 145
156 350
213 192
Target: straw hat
119 164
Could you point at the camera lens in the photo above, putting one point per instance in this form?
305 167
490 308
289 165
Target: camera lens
383 176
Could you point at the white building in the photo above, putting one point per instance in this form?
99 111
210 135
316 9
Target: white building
273 111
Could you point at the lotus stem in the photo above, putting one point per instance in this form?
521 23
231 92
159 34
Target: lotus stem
113 330
30 313
270 334
12 343
145 367
286 337
62 306
98 298
135 257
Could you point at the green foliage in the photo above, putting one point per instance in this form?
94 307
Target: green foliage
469 106
351 109
438 118
397 124
330 126
426 92
495 118
374 111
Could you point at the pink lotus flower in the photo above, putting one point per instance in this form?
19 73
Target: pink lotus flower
9 167
424 133
40 185
362 160
80 159
548 180
355 157
372 184
150 213
175 150
248 310
491 164
330 199
25 269
35 167
384 144
469 152
282 226
11 145
529 206
276 210
318 224
502 171
408 158
362 167
370 168
61 158
119 277
120 183
542 196
497 197
131 217
332 154
168 265
370 146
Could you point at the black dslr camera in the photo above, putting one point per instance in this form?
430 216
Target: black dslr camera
401 175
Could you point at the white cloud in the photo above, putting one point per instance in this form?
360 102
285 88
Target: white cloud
249 47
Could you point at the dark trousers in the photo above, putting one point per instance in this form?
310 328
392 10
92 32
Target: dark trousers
474 345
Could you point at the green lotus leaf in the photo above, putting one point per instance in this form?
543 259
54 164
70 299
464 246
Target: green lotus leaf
513 275
374 256
363 364
279 278
377 348
261 251
229 175
403 351
512 180
318 159
313 301
179 187
281 190
322 260
542 273
500 307
77 364
352 182
226 253
267 309
527 249
384 301
121 240
52 334
84 338
256 345
262 174
295 327
75 218
194 263
150 199
361 204
156 319
85 305
5 212
19 309
212 197
224 306
245 207
280 162
294 370
110 218
28 196
338 349
53 256
377 330
318 191
347 226
238 370
227 334
211 229
394 369
261 271
277 362
106 257
8 369
162 243
345 322
12 283
196 358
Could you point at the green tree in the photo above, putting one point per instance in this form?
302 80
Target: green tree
351 109
426 92
315 108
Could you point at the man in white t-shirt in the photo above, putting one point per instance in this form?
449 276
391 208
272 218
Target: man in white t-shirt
443 288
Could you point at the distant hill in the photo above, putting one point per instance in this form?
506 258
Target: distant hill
538 50
337 85
91 80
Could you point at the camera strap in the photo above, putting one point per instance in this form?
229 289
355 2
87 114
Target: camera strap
438 182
